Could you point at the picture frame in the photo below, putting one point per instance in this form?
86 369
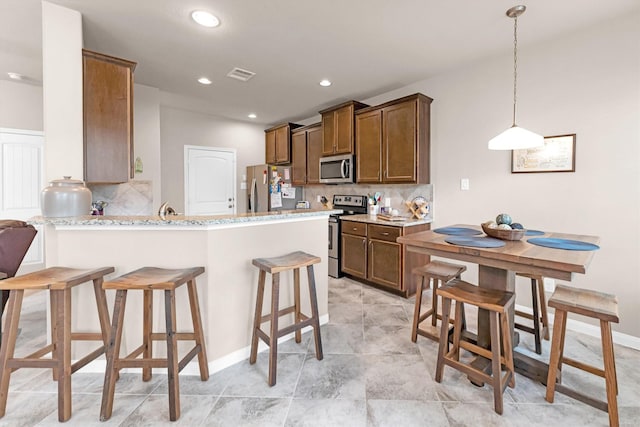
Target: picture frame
558 154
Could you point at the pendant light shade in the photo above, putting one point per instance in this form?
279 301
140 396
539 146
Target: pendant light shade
515 138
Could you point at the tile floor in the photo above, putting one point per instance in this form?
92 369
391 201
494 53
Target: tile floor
371 375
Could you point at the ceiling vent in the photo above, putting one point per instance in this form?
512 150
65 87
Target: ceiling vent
240 74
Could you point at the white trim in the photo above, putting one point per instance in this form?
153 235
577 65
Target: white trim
98 366
590 330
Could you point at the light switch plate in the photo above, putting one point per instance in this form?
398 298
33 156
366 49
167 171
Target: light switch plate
464 184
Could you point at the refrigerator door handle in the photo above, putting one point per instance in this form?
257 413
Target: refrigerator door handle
252 196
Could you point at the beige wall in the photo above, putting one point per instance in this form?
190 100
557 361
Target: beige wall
146 136
20 106
587 83
180 127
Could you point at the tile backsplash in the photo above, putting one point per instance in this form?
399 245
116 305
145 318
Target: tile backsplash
398 193
130 198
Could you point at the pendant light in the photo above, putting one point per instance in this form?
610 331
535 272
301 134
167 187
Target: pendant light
515 137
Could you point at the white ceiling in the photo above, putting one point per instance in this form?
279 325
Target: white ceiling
366 47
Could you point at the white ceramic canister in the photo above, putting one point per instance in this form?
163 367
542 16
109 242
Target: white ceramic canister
66 197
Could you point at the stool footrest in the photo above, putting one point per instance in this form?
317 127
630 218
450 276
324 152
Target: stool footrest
583 366
86 336
524 328
132 362
306 321
180 336
38 354
281 313
598 404
87 359
16 364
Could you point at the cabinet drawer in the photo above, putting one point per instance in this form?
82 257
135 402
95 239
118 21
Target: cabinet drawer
355 228
383 232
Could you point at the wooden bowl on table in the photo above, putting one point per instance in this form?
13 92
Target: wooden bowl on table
503 234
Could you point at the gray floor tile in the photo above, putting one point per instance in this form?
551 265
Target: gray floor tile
344 291
248 412
345 313
154 411
28 409
342 339
327 412
398 377
86 410
405 413
337 376
385 314
388 339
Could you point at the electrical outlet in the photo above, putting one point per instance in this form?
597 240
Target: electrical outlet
319 198
464 184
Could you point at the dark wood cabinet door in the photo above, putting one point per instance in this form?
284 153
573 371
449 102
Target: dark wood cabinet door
314 152
384 263
400 142
328 133
344 130
369 147
354 255
299 158
283 142
270 147
107 118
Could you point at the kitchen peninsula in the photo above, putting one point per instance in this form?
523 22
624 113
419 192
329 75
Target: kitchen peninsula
224 245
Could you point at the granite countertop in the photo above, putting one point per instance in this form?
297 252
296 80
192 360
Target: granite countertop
408 222
181 220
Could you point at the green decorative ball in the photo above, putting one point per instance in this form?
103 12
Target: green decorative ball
504 219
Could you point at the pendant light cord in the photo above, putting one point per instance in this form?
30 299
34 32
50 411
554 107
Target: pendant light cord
515 66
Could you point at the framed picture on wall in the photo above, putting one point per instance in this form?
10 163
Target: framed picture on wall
558 154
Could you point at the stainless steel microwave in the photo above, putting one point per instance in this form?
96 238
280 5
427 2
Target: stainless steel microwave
337 169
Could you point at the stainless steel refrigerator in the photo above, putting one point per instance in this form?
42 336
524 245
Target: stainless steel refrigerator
269 189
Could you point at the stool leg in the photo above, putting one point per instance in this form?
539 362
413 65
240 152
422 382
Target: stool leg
496 366
296 302
507 348
536 316
196 319
314 311
54 331
434 302
444 337
63 341
555 359
113 354
103 311
257 317
416 311
9 337
609 372
172 354
273 335
147 329
543 309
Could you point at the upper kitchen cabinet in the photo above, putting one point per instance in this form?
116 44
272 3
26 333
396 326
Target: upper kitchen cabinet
278 144
392 141
306 146
337 128
108 118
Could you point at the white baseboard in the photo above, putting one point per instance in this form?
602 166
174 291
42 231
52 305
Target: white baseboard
591 330
98 366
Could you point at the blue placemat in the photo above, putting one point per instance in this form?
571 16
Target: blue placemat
534 233
572 245
476 242
457 231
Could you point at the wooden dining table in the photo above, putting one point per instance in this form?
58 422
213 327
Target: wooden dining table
497 268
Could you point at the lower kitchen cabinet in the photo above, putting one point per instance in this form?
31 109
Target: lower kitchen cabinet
370 253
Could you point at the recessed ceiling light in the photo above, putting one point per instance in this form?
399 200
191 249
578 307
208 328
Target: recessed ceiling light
252 116
205 19
325 82
204 81
15 76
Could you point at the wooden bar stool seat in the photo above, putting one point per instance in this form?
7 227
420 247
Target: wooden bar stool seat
274 266
58 281
596 305
439 272
539 311
497 303
149 279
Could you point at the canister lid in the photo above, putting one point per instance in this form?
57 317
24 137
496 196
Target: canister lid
67 181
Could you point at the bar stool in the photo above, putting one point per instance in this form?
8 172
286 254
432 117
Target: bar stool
539 308
274 266
596 305
497 303
59 281
440 272
148 279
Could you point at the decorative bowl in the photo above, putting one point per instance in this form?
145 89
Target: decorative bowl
503 234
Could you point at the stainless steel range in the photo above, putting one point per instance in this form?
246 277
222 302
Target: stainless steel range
350 205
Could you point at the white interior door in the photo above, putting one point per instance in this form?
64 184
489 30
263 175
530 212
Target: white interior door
22 179
210 180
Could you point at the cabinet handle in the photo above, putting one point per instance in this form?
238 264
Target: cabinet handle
364 242
385 233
